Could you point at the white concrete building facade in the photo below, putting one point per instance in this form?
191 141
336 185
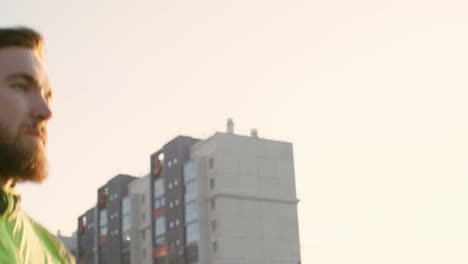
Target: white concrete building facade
141 247
246 199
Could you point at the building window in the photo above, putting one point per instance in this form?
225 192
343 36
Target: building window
190 191
171 205
171 225
160 241
191 211
102 197
177 242
103 222
170 185
214 246
211 163
212 183
160 224
192 232
174 161
159 193
126 218
143 199
143 235
169 164
143 252
159 187
176 182
176 202
213 225
159 202
143 216
190 171
213 204
177 222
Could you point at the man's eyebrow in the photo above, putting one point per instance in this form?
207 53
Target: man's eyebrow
32 80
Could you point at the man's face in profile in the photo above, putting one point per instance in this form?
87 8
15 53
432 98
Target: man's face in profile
24 111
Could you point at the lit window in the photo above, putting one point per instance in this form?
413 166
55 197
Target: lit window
170 205
176 202
126 218
177 242
176 182
171 225
174 161
169 164
170 185
177 222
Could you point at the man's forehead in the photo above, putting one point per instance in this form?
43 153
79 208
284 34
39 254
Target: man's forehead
17 60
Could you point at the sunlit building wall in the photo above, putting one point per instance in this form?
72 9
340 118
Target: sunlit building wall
247 204
141 244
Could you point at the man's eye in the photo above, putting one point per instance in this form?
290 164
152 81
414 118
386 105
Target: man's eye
20 87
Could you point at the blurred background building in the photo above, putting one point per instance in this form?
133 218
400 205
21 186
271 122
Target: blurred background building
227 199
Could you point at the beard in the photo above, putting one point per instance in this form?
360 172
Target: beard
17 161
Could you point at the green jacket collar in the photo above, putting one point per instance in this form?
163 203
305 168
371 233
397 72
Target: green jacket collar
9 202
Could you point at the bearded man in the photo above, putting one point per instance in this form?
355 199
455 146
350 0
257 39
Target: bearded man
25 96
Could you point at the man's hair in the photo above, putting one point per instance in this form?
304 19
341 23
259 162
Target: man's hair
22 37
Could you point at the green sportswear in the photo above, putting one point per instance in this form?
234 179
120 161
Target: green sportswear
22 240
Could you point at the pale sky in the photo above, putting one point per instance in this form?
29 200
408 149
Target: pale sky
371 93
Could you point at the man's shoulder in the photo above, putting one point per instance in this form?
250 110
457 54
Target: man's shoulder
45 242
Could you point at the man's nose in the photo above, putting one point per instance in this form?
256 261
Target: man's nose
41 108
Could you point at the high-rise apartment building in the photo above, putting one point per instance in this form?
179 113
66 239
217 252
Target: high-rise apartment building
228 199
159 232
86 238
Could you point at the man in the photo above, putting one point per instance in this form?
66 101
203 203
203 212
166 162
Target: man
25 96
